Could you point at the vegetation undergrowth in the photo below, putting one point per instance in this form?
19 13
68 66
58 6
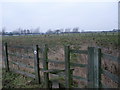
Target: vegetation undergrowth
14 80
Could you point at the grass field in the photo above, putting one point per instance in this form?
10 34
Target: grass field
63 39
109 43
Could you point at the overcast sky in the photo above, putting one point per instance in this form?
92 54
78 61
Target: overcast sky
54 15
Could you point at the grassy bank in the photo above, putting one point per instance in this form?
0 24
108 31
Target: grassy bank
13 80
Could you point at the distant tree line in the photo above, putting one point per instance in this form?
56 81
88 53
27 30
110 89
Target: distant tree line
36 31
67 30
20 31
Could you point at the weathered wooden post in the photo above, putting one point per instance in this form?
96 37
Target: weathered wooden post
94 67
97 67
45 66
71 77
6 57
90 74
118 77
36 64
67 67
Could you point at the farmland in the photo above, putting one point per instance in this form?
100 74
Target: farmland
99 39
108 43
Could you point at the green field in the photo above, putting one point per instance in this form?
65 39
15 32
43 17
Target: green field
109 44
72 38
110 41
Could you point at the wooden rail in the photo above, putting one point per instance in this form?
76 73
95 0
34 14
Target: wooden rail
113 77
94 65
23 73
79 51
21 64
21 56
22 47
110 75
110 57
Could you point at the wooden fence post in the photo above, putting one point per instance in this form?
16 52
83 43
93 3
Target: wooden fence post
90 74
97 67
67 67
36 64
6 57
71 73
94 67
45 66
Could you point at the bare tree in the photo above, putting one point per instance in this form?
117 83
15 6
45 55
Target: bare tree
82 30
3 31
57 31
49 32
76 29
28 31
36 30
67 30
17 31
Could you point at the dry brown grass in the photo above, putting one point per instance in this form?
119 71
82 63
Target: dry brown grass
56 52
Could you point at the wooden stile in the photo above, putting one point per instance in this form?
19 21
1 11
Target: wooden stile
93 66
